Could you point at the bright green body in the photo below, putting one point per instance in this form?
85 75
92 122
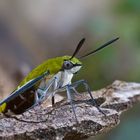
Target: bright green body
53 65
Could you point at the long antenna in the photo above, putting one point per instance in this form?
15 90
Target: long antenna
100 48
78 47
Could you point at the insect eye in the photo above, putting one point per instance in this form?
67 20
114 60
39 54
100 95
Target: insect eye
67 65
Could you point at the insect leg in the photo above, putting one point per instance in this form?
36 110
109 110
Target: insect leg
55 87
36 97
71 101
75 91
53 100
42 94
93 100
75 84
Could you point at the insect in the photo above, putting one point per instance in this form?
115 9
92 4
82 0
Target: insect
52 76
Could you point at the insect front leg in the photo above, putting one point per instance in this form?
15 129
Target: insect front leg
71 101
76 92
77 83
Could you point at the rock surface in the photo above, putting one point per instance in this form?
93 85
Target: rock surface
58 122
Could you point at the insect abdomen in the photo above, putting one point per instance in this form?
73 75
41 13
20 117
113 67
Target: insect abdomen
2 107
19 104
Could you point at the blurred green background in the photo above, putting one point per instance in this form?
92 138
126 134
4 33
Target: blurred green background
32 31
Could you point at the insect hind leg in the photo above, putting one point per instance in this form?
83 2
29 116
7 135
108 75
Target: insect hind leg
42 94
